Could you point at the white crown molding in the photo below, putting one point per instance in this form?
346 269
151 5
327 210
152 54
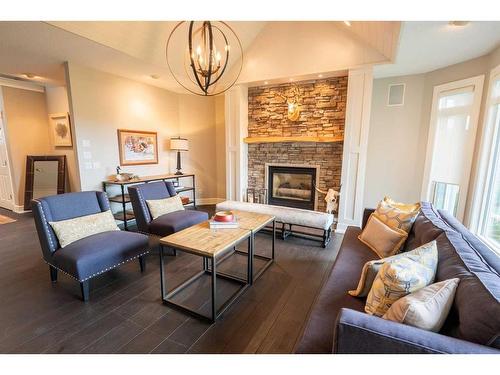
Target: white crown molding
21 84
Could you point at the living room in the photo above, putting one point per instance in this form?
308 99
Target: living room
303 183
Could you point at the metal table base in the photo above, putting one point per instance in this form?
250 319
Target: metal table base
215 313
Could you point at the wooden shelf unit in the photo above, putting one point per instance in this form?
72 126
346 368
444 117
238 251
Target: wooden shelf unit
126 214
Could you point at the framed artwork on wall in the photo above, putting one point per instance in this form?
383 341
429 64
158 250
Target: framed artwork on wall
137 147
60 128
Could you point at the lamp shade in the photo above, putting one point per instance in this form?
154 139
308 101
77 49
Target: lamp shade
179 144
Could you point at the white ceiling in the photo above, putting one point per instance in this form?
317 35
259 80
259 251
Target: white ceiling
136 50
427 46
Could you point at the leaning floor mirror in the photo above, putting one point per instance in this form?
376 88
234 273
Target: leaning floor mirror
45 175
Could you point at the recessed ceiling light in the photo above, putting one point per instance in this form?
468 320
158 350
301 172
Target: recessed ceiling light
291 79
320 75
155 76
458 23
348 23
265 83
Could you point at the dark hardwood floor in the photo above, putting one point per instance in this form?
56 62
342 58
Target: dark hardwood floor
125 313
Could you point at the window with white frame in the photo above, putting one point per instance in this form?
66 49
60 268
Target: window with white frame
485 216
450 147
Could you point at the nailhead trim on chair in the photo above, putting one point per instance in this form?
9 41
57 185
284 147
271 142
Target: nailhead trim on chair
142 200
45 222
57 268
99 272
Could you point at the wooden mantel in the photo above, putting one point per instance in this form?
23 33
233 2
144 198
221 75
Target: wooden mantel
293 139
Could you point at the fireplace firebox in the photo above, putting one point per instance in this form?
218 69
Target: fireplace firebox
292 186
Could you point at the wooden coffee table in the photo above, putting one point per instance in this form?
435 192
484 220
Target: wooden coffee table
215 246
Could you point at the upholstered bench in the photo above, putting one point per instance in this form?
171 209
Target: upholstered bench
288 217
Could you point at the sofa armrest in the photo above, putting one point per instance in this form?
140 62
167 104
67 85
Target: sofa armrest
366 214
360 333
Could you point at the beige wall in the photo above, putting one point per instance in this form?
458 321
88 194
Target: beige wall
393 147
197 124
101 103
27 133
386 175
57 102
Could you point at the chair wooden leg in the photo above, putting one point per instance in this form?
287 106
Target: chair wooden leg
142 263
53 274
85 288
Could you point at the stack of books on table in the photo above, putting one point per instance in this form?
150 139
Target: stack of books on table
223 224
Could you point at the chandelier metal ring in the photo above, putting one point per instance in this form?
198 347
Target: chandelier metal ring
205 74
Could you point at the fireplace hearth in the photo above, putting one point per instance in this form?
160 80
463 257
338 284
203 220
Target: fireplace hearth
292 186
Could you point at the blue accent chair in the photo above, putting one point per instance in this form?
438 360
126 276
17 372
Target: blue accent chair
166 224
89 256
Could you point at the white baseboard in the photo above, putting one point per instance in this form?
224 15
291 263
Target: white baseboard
19 209
341 228
206 201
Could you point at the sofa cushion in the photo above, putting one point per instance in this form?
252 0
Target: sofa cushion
426 228
176 221
476 308
482 250
98 253
317 336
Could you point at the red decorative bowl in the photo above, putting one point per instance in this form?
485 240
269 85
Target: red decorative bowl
224 216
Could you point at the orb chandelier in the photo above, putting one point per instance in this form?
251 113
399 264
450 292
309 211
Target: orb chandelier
212 58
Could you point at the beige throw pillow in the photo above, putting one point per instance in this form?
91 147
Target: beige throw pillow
401 277
427 308
71 230
159 207
382 239
397 215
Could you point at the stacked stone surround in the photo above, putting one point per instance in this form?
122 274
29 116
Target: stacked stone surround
322 104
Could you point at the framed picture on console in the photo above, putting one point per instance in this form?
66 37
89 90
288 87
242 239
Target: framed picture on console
137 147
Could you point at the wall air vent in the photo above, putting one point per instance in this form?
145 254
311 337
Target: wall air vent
396 95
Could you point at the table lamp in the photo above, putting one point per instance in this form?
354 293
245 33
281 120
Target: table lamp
179 144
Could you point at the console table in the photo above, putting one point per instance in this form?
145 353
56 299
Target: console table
122 198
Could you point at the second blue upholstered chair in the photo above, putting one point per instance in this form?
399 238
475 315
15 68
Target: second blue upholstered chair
166 224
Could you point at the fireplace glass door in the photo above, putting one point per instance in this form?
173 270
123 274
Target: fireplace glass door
292 186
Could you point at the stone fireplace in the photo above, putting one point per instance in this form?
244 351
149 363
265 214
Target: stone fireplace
317 159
